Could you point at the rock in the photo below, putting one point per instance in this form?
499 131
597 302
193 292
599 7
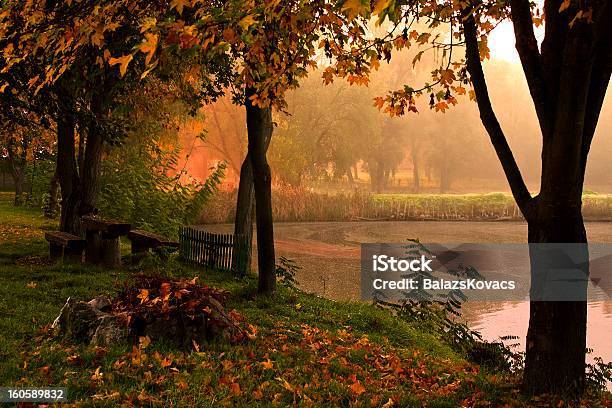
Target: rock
111 330
102 303
85 323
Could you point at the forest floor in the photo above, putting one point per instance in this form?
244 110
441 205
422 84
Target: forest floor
307 350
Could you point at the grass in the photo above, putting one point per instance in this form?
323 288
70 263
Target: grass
308 351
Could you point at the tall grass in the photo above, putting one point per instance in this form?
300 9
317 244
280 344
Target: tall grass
291 204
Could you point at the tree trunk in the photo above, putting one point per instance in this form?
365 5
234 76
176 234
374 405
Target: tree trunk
259 126
349 175
68 176
416 182
51 209
91 172
376 176
445 178
19 179
245 207
556 339
18 165
243 223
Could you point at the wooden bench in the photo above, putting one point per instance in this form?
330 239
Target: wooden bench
142 241
103 242
64 246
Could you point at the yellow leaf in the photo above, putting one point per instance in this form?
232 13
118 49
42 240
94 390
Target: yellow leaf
246 22
268 365
123 61
179 5
380 6
31 285
354 8
147 24
97 375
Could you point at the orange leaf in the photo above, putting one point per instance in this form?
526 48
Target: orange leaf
143 296
235 387
357 388
149 46
122 61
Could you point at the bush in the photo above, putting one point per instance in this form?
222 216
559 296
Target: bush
142 186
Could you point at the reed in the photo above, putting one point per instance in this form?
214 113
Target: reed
301 204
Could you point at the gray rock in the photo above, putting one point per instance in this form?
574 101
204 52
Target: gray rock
111 330
85 323
102 303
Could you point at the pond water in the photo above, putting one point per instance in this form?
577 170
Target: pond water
328 253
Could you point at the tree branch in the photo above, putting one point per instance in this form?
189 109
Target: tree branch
600 78
557 25
489 120
527 47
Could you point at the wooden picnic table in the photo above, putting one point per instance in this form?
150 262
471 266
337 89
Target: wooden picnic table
103 244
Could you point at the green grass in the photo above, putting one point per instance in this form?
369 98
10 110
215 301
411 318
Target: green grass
308 350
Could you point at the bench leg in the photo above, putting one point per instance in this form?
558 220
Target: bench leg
139 251
73 256
110 252
92 251
56 252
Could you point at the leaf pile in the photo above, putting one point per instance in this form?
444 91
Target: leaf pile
181 311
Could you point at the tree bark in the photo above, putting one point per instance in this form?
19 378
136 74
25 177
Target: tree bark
51 210
68 175
245 208
243 222
259 126
18 165
556 338
19 179
90 175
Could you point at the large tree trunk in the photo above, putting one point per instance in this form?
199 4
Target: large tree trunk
556 339
245 207
90 173
243 223
68 175
79 186
259 125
